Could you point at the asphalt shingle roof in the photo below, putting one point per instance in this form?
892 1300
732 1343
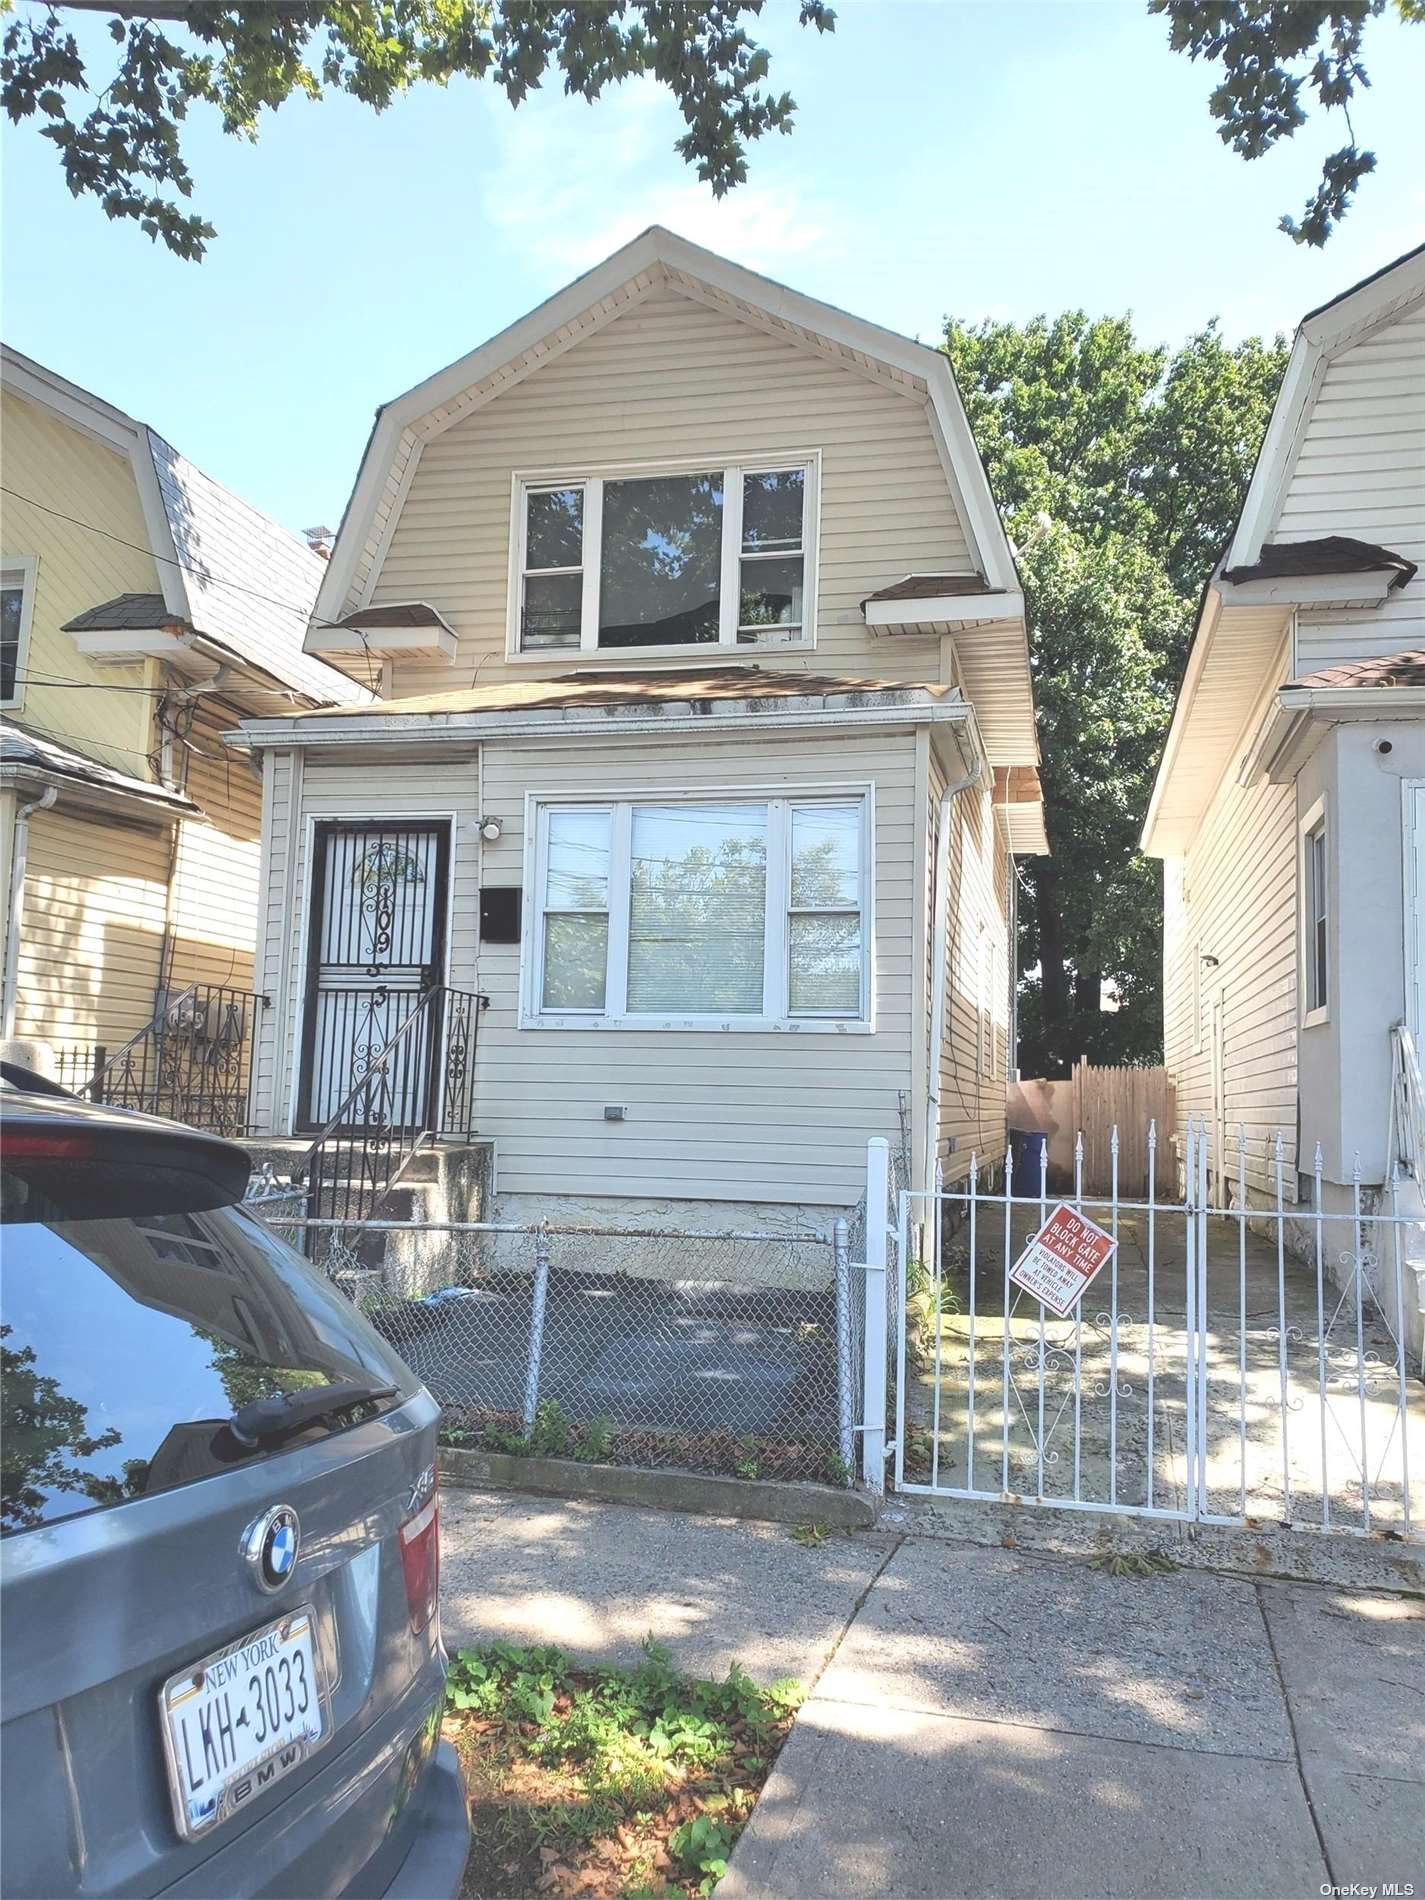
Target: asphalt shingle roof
634 689
21 747
1392 669
120 614
932 587
251 584
1329 554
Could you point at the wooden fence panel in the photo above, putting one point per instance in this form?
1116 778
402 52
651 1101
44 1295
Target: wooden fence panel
1127 1099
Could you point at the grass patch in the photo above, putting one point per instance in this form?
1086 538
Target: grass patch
600 1441
616 1784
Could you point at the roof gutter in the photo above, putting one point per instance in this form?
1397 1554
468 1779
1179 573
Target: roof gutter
734 718
1208 617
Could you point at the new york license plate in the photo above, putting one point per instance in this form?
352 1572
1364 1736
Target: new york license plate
241 1719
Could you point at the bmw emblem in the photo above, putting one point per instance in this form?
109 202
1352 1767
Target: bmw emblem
270 1547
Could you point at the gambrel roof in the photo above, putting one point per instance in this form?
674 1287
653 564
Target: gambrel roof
228 572
995 666
1279 560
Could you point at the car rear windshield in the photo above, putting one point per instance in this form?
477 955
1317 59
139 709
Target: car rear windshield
126 1344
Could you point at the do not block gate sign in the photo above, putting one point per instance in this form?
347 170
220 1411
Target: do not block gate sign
1062 1259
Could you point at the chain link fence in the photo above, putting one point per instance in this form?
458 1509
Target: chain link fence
722 1352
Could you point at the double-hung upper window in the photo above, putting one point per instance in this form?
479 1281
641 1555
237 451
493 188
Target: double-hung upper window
744 913
1314 893
707 557
17 586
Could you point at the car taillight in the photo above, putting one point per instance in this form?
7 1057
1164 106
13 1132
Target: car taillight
420 1554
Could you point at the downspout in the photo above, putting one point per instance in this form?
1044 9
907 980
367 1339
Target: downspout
19 852
939 955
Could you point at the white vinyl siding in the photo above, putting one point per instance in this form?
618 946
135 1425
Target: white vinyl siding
1360 471
214 899
779 1115
95 895
348 791
672 381
974 1055
1234 898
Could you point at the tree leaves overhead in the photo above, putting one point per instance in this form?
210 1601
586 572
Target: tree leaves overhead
119 133
1272 52
1119 469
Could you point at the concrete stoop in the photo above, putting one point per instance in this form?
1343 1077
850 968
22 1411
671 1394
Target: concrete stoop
447 1181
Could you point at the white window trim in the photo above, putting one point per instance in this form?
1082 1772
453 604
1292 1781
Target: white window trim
22 568
1316 819
591 479
774 1020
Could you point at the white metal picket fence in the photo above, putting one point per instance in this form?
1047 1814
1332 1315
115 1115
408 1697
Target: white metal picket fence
1230 1365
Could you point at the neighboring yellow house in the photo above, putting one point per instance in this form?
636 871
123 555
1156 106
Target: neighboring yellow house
143 611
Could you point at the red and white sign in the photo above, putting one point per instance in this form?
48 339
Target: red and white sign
1061 1261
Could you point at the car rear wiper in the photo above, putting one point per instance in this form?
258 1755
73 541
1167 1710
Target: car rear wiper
268 1421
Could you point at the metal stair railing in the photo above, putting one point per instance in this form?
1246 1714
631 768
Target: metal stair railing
417 1087
191 1062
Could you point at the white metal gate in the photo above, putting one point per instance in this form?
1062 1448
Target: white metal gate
1230 1365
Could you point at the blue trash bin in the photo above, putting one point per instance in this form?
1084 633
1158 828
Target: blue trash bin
1027 1147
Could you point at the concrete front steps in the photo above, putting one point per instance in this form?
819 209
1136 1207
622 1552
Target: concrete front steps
446 1181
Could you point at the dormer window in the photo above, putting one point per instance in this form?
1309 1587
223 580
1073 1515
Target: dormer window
662 560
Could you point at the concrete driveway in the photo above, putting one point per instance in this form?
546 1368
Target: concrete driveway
989 1722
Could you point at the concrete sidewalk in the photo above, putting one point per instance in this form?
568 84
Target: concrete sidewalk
987 1722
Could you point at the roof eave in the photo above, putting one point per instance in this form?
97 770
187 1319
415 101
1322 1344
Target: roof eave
745 717
95 795
943 612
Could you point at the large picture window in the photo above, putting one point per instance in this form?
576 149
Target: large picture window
745 912
658 561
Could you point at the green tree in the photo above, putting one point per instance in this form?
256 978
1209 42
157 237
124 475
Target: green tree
119 135
1272 52
41 1431
1119 470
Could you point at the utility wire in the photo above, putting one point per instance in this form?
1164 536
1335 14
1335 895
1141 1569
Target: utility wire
212 579
167 560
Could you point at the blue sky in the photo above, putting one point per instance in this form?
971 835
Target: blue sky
982 159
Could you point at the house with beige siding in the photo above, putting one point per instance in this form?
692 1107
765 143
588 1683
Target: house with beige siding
145 611
1289 808
704 748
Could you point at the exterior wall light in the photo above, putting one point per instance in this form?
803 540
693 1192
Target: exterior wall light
490 829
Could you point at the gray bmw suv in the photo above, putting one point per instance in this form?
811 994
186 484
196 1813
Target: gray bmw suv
222 1669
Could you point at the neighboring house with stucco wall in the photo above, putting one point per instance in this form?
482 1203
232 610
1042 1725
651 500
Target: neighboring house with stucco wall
1289 808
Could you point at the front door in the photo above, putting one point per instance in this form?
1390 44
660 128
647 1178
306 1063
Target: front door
376 944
